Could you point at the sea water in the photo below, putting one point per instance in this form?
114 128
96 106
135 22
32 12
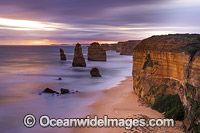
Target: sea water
25 71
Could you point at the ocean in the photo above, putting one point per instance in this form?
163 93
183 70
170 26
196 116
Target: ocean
25 71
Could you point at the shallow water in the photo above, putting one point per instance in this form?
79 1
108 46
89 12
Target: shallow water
27 70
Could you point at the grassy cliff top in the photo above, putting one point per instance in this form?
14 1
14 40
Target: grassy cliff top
171 42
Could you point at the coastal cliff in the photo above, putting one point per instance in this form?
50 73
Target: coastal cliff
108 47
105 47
169 65
118 47
126 48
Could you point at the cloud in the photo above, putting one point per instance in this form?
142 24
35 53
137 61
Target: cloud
85 20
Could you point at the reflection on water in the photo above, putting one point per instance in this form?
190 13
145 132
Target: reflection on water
27 70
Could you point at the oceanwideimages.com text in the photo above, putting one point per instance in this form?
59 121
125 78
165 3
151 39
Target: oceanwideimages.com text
127 123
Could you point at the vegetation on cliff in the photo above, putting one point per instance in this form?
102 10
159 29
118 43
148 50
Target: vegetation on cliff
189 49
192 119
148 62
194 115
168 42
171 105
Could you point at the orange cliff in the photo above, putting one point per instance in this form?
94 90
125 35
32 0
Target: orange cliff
169 64
96 52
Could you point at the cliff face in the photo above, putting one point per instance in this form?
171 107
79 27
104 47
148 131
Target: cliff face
96 52
105 47
126 48
113 46
108 47
169 64
118 47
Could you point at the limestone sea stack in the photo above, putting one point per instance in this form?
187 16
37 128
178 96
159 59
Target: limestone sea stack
170 65
96 52
95 72
62 55
78 60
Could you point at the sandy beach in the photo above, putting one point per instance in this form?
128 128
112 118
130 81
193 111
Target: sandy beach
121 102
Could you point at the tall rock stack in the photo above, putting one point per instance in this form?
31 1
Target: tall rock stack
78 60
62 55
96 52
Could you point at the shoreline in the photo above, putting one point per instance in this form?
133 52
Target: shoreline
121 102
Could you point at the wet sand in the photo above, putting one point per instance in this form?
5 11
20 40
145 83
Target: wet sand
121 102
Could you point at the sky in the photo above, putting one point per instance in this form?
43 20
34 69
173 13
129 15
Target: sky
84 21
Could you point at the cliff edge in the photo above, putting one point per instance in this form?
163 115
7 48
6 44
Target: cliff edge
170 65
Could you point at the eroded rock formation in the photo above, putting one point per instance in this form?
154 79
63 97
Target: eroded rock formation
95 72
96 52
64 91
78 60
170 64
47 90
62 55
59 78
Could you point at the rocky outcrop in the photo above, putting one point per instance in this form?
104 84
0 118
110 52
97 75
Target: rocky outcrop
95 72
170 64
62 55
47 90
64 91
96 52
59 78
78 60
127 47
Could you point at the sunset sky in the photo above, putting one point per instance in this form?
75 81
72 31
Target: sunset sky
84 21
